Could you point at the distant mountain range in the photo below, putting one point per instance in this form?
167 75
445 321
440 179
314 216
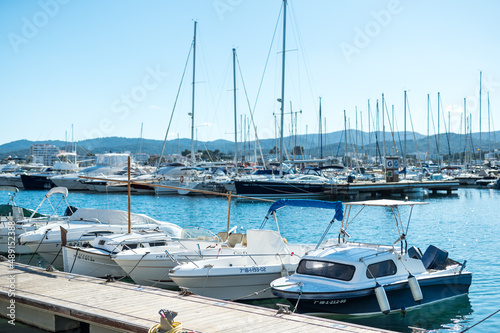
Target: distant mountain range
333 144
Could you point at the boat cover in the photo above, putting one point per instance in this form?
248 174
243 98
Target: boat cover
336 205
265 242
109 216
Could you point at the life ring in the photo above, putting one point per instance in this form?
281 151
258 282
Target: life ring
182 179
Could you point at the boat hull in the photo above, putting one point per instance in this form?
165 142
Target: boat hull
37 182
80 261
251 285
365 302
279 189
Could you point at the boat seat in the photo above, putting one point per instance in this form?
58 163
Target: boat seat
222 235
434 258
414 252
234 239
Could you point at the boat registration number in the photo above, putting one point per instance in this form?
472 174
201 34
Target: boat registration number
330 302
85 257
252 269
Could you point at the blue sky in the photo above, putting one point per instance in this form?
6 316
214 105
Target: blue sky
108 66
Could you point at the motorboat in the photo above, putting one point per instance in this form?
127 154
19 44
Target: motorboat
85 225
247 276
242 276
95 259
151 267
15 220
107 165
343 277
292 186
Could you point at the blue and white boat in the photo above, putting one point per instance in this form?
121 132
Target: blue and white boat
358 278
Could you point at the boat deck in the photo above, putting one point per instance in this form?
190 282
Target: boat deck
58 300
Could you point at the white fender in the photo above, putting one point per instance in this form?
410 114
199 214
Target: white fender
415 289
382 300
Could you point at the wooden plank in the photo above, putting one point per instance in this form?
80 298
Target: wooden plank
125 307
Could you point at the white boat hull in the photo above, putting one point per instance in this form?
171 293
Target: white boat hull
89 263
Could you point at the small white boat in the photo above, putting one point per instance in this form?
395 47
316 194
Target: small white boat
356 278
242 276
83 226
18 220
95 259
150 267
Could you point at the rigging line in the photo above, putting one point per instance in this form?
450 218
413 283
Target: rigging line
204 57
220 95
414 138
446 129
250 109
399 136
267 59
390 126
433 125
304 54
173 109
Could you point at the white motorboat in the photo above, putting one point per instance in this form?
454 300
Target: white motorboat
95 259
150 267
242 276
356 278
86 224
15 220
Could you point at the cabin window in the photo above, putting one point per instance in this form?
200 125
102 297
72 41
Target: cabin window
101 242
380 269
326 269
131 246
151 244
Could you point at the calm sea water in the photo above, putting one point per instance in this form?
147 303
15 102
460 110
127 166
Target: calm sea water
465 224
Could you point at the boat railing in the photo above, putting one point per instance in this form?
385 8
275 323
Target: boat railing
216 256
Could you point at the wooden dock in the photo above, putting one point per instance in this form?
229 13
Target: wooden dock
57 301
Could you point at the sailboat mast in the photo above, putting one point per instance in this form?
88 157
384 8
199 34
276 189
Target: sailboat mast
320 132
489 131
193 158
439 111
404 156
345 138
428 108
235 116
383 122
282 148
369 131
480 95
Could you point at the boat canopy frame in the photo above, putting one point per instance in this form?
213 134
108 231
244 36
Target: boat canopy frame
393 205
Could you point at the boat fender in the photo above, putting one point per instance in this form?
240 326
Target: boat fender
181 179
415 289
382 300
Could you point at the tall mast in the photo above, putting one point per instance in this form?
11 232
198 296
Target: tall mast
282 150
428 107
383 123
345 138
320 131
404 156
369 131
439 160
489 132
480 95
465 131
193 158
362 134
235 116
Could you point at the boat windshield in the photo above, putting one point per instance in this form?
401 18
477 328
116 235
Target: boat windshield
331 270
